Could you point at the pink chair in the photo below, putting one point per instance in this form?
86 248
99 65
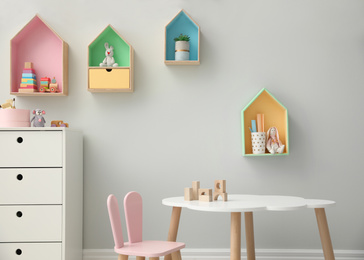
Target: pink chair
136 246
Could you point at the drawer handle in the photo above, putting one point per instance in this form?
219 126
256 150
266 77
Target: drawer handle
19 214
18 252
19 177
19 140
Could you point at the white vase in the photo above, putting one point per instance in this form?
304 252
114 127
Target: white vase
182 50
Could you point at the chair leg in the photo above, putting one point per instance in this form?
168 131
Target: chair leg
177 255
123 257
140 258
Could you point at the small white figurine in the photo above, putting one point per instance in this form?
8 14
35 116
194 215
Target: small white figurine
274 145
109 60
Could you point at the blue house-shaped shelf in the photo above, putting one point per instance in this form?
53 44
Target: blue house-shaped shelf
275 114
182 23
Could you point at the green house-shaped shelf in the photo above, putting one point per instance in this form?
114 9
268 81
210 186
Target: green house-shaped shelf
39 44
110 79
275 114
182 23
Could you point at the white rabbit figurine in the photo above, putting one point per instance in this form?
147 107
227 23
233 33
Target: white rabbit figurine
274 145
109 60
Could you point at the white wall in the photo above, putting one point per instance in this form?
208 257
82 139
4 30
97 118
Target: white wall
183 123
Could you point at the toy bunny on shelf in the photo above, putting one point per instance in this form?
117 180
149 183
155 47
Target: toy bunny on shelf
109 60
274 145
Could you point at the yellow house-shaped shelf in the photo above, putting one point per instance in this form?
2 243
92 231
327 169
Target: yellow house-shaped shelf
110 79
39 44
275 114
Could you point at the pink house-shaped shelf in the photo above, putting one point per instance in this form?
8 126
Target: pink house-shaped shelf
41 45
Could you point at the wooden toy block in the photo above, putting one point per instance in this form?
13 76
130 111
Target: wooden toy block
28 65
188 194
205 198
27 90
205 192
220 186
192 193
220 190
195 188
205 195
224 196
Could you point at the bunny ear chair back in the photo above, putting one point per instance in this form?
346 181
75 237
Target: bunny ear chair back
115 221
136 246
133 206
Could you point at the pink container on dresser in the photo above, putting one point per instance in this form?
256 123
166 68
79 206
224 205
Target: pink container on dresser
14 117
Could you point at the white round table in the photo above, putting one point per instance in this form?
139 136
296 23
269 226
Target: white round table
248 204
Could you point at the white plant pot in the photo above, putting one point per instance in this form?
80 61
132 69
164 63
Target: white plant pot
182 50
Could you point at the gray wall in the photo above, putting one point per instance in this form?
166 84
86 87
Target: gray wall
183 123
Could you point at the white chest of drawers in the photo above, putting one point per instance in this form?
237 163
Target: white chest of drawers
41 180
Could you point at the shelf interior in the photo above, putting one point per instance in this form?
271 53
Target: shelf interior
275 114
38 44
182 23
97 49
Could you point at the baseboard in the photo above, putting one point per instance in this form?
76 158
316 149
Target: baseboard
224 254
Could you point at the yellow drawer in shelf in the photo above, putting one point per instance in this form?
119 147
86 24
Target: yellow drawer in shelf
109 79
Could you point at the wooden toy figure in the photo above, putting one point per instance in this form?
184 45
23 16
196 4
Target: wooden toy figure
109 60
58 123
38 118
274 145
44 84
10 103
53 86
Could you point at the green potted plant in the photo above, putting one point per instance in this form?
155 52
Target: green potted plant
182 47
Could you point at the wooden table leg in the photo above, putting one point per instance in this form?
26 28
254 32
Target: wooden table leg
324 234
173 227
235 236
249 235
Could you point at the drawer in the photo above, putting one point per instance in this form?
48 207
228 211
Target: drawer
31 148
31 186
30 251
116 78
31 223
